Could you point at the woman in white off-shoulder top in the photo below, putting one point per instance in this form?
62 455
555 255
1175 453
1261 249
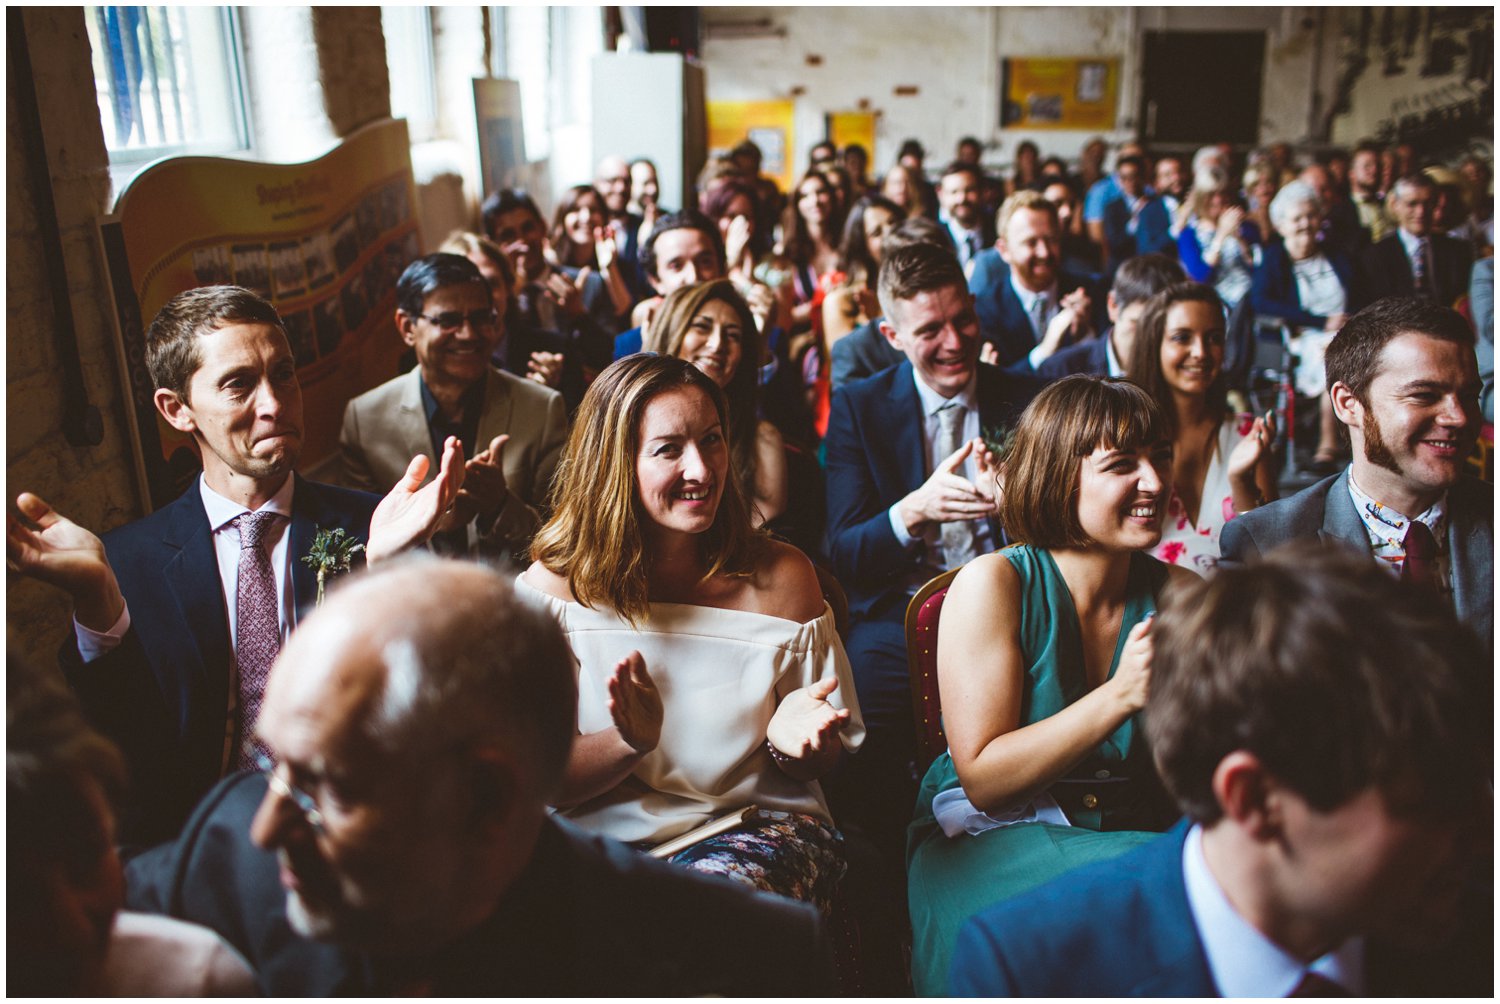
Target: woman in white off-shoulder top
710 677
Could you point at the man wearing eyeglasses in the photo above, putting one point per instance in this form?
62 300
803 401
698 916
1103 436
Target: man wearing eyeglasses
401 844
513 429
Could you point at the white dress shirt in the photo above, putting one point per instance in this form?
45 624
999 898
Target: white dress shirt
1244 962
221 513
932 430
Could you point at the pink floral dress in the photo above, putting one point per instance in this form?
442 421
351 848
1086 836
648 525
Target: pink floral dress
1197 547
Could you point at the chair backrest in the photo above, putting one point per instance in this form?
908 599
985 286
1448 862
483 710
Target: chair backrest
921 660
833 593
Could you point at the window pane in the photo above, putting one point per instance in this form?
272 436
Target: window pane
408 57
167 80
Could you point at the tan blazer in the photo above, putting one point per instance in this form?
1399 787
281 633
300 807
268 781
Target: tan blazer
387 426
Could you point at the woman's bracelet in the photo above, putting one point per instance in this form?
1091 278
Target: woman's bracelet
781 758
1260 500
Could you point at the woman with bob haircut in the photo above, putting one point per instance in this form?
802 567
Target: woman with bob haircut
1044 660
710 676
1222 463
711 326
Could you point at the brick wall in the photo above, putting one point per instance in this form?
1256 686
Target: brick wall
94 485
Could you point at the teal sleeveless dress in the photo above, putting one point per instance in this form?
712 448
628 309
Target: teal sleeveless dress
1112 797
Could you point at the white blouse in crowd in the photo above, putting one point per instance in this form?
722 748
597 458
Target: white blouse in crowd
721 675
1320 292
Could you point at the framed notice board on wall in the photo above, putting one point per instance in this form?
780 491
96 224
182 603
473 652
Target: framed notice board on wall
1059 93
768 124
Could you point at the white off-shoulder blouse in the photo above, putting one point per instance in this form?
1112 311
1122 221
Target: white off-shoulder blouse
721 675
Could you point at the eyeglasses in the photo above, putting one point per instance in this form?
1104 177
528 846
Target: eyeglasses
451 320
301 799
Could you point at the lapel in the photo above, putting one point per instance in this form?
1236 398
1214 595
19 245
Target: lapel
1167 930
411 434
191 576
305 516
1471 554
495 413
906 427
1341 522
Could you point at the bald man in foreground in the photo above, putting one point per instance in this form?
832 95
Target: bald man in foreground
419 723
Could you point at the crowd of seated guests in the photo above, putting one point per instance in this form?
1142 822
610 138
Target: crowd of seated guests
729 443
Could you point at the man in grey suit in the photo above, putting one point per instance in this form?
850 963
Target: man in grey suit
513 428
1404 384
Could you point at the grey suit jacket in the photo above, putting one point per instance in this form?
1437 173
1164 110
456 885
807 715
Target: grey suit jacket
1325 512
387 426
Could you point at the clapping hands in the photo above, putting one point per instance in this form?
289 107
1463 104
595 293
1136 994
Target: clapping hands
634 704
805 725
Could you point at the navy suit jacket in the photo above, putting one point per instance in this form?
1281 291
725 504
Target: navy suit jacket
1002 319
1384 270
1273 288
1123 928
863 352
1325 512
1118 928
876 455
1091 356
1153 230
587 917
163 694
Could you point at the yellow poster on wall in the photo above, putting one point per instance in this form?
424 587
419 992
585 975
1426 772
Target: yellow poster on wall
1061 93
324 241
767 124
850 128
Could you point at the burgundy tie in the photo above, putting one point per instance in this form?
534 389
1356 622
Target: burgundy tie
1421 555
257 627
1313 985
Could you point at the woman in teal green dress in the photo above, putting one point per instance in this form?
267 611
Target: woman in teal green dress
1044 659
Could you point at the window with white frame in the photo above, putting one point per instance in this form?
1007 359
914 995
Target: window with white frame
168 80
409 60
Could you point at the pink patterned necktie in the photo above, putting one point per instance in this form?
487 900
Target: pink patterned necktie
257 627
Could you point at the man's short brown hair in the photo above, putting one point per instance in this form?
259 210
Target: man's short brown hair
1353 356
1067 422
1284 660
1026 198
918 268
172 351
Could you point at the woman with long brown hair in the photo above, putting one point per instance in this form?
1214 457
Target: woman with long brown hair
710 676
711 326
1222 463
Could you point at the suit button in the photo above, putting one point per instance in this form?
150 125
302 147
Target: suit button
1091 801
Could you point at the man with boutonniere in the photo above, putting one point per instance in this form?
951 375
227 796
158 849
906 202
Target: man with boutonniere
178 616
512 429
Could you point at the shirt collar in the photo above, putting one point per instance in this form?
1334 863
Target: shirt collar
1116 368
466 402
1383 521
1244 962
1026 296
221 511
932 401
1409 241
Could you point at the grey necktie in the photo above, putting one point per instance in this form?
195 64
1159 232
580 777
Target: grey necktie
1040 315
958 537
257 627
